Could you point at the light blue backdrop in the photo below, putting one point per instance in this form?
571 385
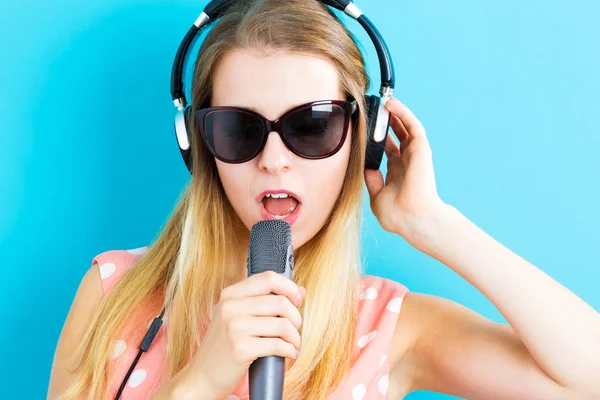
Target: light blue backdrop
508 92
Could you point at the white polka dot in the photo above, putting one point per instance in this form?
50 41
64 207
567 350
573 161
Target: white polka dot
118 349
394 304
136 378
107 270
359 392
369 294
383 384
139 250
382 360
364 340
232 397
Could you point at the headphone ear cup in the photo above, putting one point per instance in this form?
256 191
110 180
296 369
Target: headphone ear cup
187 154
374 149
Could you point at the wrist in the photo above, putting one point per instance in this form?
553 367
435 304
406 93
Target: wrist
433 227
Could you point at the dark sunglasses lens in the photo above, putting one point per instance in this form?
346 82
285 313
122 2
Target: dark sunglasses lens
315 131
233 135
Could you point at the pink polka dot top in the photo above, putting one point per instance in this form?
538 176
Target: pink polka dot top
379 306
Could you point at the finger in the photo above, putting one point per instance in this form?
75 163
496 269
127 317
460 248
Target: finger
408 119
401 132
269 327
399 129
262 284
261 306
272 306
263 347
374 181
391 147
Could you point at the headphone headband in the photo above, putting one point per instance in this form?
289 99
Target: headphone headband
216 8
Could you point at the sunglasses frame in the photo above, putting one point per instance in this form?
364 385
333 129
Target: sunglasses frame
348 107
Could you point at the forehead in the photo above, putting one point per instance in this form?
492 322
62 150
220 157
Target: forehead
274 83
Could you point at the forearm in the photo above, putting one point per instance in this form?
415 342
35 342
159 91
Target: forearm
560 330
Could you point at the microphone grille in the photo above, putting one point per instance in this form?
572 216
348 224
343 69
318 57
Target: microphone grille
269 242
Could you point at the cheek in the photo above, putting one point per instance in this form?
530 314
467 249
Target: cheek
327 178
236 179
233 178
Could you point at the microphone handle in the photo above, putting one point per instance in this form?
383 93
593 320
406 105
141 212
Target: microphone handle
266 374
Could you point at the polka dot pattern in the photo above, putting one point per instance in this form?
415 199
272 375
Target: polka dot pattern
107 270
119 349
137 377
369 294
383 384
366 339
383 360
379 304
395 304
358 393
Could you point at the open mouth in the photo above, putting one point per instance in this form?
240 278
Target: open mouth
280 206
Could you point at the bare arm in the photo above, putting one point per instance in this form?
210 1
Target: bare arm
452 349
88 296
550 350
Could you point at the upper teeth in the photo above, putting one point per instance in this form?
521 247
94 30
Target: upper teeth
277 195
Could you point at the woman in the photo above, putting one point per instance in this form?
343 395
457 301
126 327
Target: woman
271 56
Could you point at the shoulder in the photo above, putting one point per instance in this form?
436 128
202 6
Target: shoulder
112 264
105 270
87 298
89 294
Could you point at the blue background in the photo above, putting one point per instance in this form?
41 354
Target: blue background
508 93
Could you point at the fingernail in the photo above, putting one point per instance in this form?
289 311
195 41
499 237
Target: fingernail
297 354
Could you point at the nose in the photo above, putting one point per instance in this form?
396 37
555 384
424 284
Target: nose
275 156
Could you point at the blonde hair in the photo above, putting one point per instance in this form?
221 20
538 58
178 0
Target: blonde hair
190 261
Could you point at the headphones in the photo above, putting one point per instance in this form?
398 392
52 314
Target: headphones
378 117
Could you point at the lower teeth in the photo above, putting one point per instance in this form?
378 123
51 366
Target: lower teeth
280 216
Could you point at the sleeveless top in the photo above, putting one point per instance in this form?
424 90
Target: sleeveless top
379 307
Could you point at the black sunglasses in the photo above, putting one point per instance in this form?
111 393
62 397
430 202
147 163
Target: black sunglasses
313 130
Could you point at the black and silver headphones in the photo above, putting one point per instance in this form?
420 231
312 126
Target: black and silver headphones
378 117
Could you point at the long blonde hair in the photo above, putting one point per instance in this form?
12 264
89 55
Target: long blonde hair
190 261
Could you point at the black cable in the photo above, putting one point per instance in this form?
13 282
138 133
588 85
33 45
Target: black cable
144 346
